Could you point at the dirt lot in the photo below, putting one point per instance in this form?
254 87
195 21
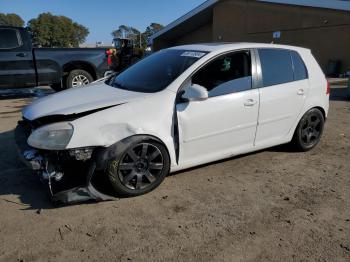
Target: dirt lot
273 205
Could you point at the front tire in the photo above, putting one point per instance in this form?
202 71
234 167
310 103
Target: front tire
139 169
78 78
309 130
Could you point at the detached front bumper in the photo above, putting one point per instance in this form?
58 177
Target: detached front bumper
69 177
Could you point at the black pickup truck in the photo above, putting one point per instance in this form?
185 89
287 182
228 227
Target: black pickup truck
21 65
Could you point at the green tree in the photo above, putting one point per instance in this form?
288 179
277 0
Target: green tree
129 32
11 20
56 31
152 29
125 31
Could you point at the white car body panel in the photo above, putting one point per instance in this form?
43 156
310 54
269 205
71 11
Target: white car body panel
209 130
280 106
217 127
148 117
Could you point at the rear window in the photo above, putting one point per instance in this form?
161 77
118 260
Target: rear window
277 67
300 71
8 38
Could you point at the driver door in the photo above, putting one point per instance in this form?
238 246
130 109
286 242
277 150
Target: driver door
224 124
16 59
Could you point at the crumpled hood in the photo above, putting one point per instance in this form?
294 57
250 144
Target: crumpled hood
79 100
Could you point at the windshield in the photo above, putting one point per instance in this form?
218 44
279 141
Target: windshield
155 72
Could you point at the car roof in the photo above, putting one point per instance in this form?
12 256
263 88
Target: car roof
217 47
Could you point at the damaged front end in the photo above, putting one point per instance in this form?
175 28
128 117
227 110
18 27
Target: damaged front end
71 175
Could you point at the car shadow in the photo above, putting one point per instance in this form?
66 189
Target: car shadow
282 148
19 185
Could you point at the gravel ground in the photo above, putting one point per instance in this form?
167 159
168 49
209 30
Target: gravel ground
273 205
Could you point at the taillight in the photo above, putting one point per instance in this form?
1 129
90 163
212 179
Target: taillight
328 91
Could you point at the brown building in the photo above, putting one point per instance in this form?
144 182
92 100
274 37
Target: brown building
321 25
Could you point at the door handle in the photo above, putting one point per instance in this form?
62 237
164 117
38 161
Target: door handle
250 102
301 92
21 54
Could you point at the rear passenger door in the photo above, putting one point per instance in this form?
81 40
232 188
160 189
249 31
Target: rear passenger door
282 95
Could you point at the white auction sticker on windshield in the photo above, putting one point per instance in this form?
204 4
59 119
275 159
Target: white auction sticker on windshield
193 54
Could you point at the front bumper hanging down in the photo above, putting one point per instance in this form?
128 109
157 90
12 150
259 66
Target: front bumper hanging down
59 182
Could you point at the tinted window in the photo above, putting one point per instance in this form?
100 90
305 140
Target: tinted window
155 72
228 74
8 38
300 71
276 66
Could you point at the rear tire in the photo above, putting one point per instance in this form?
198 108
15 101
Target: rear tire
139 169
78 78
309 131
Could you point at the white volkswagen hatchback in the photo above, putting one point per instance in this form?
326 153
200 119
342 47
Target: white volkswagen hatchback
177 108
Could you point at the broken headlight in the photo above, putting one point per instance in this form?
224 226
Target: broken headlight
51 137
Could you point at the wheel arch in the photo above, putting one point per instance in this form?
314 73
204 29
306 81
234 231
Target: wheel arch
295 140
83 65
152 138
103 155
323 111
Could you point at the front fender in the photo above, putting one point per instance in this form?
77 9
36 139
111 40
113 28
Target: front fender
144 117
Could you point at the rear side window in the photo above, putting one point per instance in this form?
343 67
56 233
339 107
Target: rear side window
300 72
277 67
8 38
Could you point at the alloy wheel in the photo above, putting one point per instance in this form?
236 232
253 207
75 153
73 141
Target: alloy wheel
311 129
141 166
80 80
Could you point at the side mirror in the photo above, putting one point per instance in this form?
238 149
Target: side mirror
195 93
